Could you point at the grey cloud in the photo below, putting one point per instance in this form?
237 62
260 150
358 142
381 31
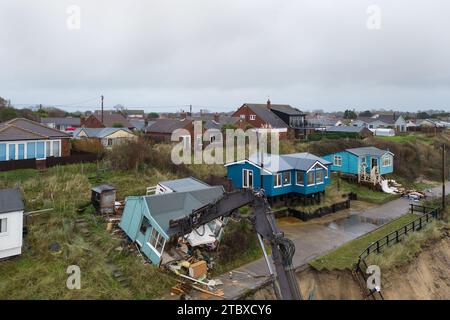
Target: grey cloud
313 54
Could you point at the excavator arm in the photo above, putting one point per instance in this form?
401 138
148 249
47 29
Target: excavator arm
264 224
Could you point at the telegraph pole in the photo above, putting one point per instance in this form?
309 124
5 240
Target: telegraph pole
102 107
443 177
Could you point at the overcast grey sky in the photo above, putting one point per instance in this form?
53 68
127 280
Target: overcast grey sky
222 53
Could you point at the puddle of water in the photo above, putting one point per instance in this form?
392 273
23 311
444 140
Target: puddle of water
355 225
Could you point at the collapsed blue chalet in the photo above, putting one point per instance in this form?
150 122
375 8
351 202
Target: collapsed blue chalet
290 176
358 161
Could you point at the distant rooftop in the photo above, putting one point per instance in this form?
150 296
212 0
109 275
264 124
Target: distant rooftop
368 151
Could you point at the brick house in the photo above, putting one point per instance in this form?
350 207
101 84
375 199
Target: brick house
262 116
160 130
110 119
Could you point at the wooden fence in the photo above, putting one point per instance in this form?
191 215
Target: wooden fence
49 162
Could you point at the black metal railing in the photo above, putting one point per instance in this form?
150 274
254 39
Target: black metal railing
427 215
396 236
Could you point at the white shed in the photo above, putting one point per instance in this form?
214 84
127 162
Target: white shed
11 223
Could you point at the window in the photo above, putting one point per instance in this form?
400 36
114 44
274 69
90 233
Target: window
243 116
277 180
157 241
286 178
20 151
310 178
247 179
56 148
40 152
299 176
387 161
319 176
48 150
31 150
2 151
145 224
3 225
12 152
252 117
337 161
110 142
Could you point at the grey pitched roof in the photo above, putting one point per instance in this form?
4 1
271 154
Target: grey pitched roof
24 129
175 205
112 118
367 151
70 121
262 111
167 125
287 109
185 184
10 200
137 124
276 163
99 132
223 120
349 129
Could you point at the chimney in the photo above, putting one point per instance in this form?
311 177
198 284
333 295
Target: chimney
216 117
183 115
268 104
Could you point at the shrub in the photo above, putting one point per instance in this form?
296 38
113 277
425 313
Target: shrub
88 145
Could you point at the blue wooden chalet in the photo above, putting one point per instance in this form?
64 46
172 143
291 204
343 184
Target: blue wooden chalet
360 161
145 219
298 175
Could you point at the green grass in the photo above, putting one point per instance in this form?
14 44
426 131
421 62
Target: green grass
40 274
364 193
347 255
408 138
241 246
409 247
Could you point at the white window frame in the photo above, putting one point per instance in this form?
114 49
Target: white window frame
297 172
277 180
242 116
159 235
290 178
253 117
246 173
4 222
337 159
389 159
